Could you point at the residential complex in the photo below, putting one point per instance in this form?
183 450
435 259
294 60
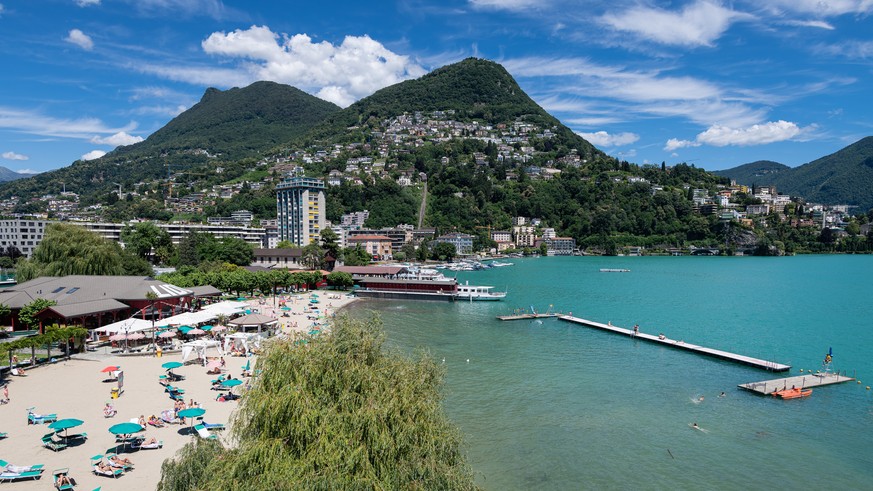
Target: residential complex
300 210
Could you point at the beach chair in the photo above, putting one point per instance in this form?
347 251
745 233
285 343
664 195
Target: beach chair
212 426
3 435
65 472
38 419
202 432
6 466
9 476
120 465
106 471
49 442
150 446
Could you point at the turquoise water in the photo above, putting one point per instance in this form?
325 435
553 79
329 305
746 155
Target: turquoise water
551 405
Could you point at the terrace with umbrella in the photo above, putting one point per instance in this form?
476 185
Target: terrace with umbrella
64 425
126 433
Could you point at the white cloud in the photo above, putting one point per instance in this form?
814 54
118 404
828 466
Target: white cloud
80 39
820 24
675 144
848 49
604 139
29 171
698 24
14 156
116 140
826 8
756 134
513 5
93 154
212 8
39 124
342 73
87 3
610 90
1 9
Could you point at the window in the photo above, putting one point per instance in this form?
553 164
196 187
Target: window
58 289
72 290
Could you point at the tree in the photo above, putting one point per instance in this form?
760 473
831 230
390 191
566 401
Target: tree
356 256
329 243
145 239
312 257
27 314
286 244
71 250
6 262
225 250
544 249
383 413
339 279
443 251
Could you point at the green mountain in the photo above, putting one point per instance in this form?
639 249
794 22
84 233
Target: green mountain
753 173
474 89
224 127
844 177
11 175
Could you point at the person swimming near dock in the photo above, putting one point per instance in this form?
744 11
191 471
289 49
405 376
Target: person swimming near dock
722 394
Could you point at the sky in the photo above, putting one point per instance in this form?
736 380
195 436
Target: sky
710 83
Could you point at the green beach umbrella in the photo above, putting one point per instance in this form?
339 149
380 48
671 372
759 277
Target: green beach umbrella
125 428
191 412
231 382
64 424
171 365
207 327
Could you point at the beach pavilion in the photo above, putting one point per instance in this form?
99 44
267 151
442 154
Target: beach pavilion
259 321
93 301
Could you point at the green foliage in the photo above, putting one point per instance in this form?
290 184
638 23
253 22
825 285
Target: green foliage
356 256
145 237
27 314
286 244
443 251
339 412
844 177
226 249
312 257
337 279
71 250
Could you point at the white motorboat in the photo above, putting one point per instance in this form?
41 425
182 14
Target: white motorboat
476 293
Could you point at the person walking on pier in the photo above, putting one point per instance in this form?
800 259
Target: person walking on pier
636 329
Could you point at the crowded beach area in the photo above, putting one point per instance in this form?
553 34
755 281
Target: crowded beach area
71 415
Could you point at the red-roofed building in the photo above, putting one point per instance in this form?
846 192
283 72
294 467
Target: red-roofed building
378 246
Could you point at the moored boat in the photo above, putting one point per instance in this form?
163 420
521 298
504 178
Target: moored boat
793 393
478 293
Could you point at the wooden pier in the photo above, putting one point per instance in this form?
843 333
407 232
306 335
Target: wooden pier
801 381
682 345
518 317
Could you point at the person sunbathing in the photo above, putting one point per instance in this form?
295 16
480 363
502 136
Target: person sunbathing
63 480
104 468
155 421
109 411
151 441
214 371
119 462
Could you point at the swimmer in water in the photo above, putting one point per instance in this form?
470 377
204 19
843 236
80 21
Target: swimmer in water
722 394
700 399
694 425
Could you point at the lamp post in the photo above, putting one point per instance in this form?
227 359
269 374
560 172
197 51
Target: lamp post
152 296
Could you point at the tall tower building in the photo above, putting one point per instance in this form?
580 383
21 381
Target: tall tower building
300 210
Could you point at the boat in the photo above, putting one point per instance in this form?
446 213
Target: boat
792 393
498 264
614 270
476 293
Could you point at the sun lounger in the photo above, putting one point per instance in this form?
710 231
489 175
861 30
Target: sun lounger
151 446
19 469
61 472
107 472
3 435
9 476
212 426
17 372
38 419
202 432
120 465
49 442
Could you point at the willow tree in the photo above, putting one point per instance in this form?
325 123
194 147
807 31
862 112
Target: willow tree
336 412
72 250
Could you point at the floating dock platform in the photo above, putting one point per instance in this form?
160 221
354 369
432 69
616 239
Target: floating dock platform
681 345
767 387
518 317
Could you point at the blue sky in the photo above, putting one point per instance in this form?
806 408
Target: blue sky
712 83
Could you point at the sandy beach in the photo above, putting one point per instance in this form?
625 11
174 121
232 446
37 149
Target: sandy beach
75 388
